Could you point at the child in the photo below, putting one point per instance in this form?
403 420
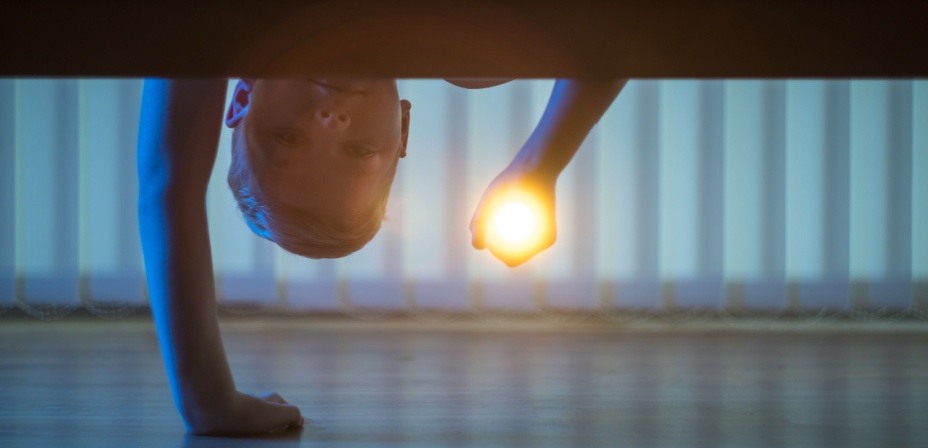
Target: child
312 165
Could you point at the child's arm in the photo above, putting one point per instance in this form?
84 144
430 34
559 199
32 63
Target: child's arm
178 137
575 106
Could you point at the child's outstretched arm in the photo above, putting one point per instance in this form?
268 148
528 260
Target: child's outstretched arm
178 138
573 109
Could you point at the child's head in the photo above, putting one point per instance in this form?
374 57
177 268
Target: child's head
313 160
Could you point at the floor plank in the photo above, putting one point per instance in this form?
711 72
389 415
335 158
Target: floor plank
85 382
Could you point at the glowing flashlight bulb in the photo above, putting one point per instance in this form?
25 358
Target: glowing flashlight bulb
514 222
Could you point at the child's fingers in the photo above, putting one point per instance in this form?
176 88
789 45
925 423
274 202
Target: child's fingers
478 229
284 416
258 415
510 260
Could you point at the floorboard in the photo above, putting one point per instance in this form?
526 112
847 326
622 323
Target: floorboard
98 383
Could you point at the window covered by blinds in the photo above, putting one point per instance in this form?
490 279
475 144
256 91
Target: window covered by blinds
761 194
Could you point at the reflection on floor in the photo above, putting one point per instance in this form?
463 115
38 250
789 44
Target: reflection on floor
99 383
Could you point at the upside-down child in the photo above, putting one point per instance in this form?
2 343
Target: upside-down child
312 165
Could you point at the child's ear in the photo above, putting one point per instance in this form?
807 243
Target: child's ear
405 106
238 107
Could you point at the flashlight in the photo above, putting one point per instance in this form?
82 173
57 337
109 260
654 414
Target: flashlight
514 222
517 225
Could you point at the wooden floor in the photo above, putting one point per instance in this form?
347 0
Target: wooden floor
98 383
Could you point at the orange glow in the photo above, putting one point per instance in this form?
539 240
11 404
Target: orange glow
514 222
516 225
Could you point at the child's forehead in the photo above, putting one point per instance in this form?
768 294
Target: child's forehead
290 97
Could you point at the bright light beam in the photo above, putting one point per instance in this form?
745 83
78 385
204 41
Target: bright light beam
514 222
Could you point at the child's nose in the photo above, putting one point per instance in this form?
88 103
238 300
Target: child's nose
333 119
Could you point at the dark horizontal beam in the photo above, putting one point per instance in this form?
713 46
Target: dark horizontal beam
461 38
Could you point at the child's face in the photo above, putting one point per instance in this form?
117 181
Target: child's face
325 146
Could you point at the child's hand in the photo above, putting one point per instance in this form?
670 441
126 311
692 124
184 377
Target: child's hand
536 190
250 414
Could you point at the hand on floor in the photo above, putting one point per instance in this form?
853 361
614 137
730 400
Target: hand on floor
252 415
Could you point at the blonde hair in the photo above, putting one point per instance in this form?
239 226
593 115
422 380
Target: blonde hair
298 231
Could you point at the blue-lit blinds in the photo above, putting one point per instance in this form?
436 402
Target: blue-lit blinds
46 190
7 190
919 192
762 194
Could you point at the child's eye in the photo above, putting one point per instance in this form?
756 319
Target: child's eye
359 151
289 138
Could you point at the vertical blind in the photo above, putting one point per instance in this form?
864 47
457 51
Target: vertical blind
756 194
